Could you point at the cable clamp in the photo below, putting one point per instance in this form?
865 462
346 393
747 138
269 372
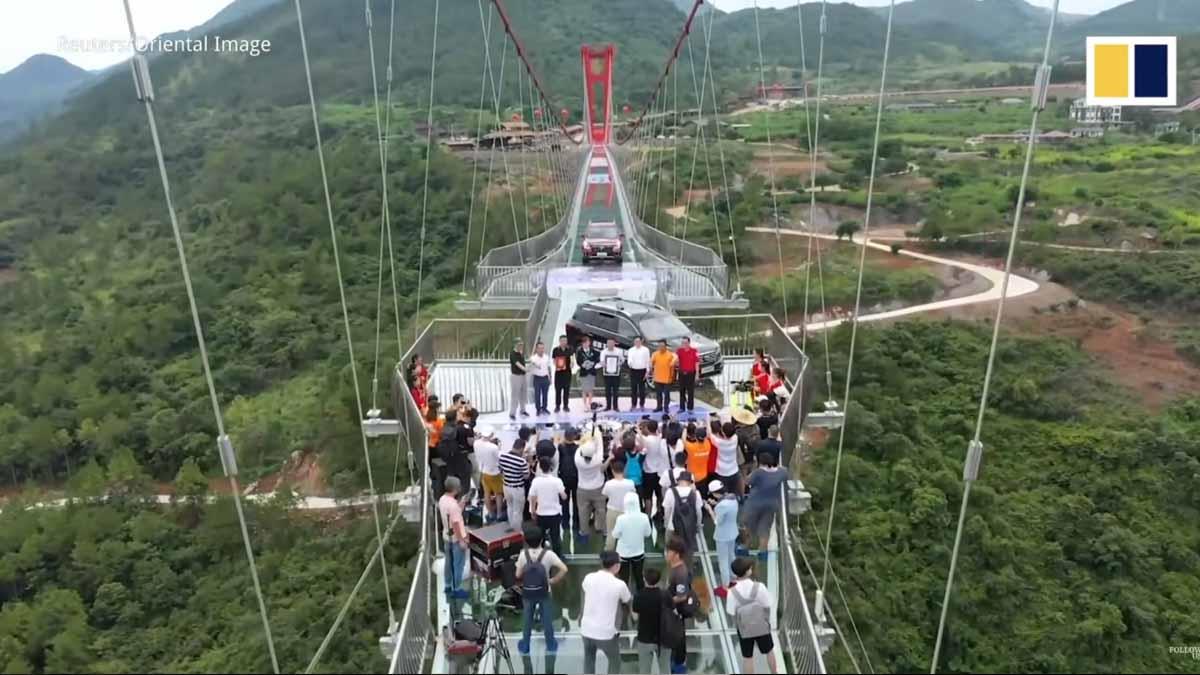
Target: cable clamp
141 78
228 456
370 23
824 23
971 468
1041 88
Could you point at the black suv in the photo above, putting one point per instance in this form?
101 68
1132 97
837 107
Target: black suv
623 320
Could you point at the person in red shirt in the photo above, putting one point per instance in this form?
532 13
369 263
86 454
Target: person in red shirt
688 360
760 372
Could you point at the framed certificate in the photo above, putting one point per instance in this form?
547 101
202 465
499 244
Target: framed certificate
612 364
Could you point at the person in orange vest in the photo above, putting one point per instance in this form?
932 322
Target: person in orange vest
698 450
662 366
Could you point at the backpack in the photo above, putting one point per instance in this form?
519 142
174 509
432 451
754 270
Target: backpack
690 608
683 518
535 583
752 619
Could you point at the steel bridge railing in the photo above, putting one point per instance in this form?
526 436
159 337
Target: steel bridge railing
415 640
797 633
684 255
518 269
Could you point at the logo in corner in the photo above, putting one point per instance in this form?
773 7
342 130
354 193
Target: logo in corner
1131 71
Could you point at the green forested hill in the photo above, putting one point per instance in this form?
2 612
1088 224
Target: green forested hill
1081 541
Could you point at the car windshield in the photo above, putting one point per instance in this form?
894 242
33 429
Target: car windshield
661 326
602 231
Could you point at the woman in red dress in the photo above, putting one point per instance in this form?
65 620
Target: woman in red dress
418 381
760 372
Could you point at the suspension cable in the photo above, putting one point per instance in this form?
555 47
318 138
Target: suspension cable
387 222
687 216
671 58
975 450
862 263
490 77
497 96
837 583
808 129
814 144
524 150
762 77
382 131
437 5
737 268
520 49
675 152
703 134
475 156
832 615
337 260
141 71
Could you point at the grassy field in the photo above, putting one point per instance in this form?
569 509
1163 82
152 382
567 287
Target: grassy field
975 190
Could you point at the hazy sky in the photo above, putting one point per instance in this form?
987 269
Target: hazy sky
33 27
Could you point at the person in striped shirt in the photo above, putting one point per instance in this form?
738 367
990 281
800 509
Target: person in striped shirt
515 468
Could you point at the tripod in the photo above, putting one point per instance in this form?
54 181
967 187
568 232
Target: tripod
495 640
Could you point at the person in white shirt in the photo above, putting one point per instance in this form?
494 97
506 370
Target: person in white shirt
487 452
614 491
753 621
655 463
611 360
603 595
630 532
546 493
638 358
683 495
589 463
728 469
539 368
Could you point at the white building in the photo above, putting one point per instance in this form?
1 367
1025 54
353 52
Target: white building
1083 113
1094 131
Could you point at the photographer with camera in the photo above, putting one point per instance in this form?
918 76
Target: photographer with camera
538 570
454 530
590 465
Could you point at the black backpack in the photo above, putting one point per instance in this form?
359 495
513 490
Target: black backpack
683 519
535 582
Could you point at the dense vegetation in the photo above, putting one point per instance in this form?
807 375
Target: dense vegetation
124 586
881 286
1081 543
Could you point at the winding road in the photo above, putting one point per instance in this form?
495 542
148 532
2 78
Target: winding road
1018 285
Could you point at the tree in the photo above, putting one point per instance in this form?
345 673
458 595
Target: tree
848 228
88 482
190 482
125 475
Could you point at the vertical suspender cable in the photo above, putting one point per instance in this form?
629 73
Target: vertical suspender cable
475 155
814 144
141 72
437 5
975 450
762 78
737 268
703 134
337 261
862 264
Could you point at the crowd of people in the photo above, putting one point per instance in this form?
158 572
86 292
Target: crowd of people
623 484
662 369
